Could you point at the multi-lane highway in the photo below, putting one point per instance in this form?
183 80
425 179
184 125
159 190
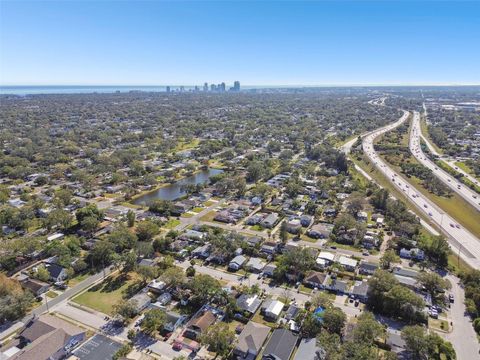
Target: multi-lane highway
461 189
461 240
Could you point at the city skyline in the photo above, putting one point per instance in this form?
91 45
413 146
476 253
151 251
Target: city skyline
262 44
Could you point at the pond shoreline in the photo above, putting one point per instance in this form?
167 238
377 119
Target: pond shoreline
176 186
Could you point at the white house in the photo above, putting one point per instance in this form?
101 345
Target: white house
274 310
328 257
348 263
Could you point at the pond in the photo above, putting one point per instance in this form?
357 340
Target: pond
176 190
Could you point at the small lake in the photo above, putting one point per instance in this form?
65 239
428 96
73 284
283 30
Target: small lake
175 190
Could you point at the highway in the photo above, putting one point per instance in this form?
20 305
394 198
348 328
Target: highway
458 187
461 240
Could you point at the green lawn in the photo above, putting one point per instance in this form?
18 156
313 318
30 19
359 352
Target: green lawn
308 238
438 324
198 209
51 294
210 203
464 213
257 227
208 216
103 296
258 318
187 215
172 223
78 278
465 168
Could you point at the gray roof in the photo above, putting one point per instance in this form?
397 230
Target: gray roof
308 349
252 338
249 303
405 272
281 345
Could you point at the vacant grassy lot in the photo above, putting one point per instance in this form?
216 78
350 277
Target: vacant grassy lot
103 296
208 216
172 223
51 294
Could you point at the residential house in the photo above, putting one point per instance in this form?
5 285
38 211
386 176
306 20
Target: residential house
202 251
369 241
320 231
269 270
338 286
362 216
249 303
360 291
292 312
251 340
330 212
274 309
237 262
315 279
280 346
269 247
254 219
142 300
147 262
255 265
306 220
367 268
327 256
270 220
194 235
47 338
57 272
37 287
413 253
156 286
254 240
293 226
199 324
348 263
308 350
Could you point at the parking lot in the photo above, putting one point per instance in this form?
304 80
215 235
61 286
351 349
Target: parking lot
98 347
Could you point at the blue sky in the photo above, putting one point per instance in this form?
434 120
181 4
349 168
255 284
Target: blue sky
258 43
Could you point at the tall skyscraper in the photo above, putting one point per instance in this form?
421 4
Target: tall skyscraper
221 87
236 86
205 87
168 88
213 87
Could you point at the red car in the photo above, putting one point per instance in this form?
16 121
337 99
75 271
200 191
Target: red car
177 346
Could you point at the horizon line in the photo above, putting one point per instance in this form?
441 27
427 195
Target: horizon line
246 85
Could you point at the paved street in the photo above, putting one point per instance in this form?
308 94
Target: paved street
463 336
63 297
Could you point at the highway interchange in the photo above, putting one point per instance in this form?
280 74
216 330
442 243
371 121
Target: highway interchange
461 240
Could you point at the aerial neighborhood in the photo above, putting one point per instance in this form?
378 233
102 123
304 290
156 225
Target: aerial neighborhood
229 225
